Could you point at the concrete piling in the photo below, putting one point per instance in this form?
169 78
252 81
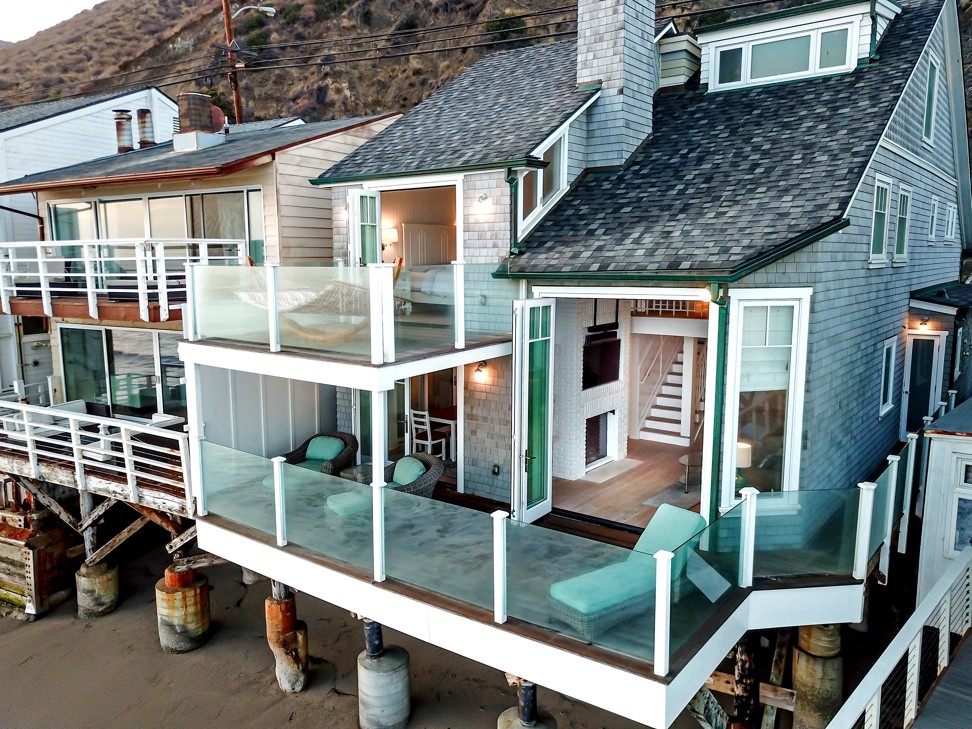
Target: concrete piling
287 637
97 589
182 605
251 578
526 713
384 700
818 676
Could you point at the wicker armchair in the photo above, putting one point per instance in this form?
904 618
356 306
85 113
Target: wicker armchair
424 484
337 464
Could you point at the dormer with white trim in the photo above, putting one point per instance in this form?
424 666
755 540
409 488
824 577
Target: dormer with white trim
815 40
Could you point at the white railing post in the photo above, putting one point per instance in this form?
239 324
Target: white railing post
663 610
906 497
273 307
911 680
862 546
922 467
196 466
51 388
941 407
8 283
31 445
747 537
78 454
184 463
387 278
129 463
141 277
161 277
872 712
45 284
189 324
952 394
885 559
204 252
500 520
459 291
279 501
90 279
378 529
944 626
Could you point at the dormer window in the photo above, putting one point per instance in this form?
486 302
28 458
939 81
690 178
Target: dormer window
539 189
783 56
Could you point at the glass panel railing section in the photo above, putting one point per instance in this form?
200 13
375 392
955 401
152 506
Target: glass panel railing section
425 309
705 574
325 308
902 479
488 300
329 515
238 486
882 503
802 533
230 302
439 547
598 593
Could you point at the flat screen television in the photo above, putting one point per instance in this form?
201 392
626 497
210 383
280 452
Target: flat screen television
602 360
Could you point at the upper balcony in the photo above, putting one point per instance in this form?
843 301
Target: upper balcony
101 279
370 315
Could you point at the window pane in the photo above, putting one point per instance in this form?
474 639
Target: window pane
254 212
833 48
551 173
930 92
730 66
780 330
754 326
886 375
167 217
963 524
83 355
131 366
173 376
223 215
74 221
529 192
901 230
124 219
779 58
368 209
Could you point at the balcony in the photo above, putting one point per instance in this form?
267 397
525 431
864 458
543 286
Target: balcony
92 277
376 314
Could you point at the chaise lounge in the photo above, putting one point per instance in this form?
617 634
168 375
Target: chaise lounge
593 602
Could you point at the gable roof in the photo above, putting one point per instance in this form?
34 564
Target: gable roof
239 149
18 116
495 112
732 180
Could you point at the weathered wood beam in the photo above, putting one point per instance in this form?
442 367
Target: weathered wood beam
110 545
197 562
181 540
776 673
76 551
48 501
157 518
769 695
746 692
96 513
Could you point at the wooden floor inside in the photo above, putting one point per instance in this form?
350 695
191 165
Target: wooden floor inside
618 491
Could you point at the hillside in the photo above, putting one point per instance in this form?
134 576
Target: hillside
319 59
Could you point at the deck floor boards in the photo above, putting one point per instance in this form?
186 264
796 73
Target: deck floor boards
951 699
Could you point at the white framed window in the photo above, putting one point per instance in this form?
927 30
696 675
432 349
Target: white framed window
959 534
783 56
933 220
931 101
888 354
902 224
364 222
540 188
879 219
951 221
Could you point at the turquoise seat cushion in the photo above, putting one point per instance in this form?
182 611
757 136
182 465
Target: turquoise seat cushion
407 470
348 502
608 587
312 464
323 448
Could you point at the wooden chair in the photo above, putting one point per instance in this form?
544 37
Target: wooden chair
423 434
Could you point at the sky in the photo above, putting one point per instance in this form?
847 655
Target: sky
22 19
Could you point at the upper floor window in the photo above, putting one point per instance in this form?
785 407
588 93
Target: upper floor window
951 222
879 220
539 188
903 224
933 220
931 102
887 375
826 49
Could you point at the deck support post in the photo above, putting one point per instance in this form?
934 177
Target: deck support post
384 701
526 713
746 691
818 676
287 638
182 605
97 586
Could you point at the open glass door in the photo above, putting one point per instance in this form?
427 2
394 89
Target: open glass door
364 214
533 324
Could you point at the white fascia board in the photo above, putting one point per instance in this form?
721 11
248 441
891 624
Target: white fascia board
562 129
621 292
745 33
940 308
805 606
636 697
670 25
412 183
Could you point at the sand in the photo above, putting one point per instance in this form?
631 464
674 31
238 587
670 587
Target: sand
60 671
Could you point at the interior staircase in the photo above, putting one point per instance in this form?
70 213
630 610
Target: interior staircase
664 420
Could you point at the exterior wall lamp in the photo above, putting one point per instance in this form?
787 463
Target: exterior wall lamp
480 374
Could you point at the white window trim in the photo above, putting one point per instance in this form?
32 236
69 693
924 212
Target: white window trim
814 69
799 298
933 220
932 61
886 407
903 256
525 225
882 258
354 198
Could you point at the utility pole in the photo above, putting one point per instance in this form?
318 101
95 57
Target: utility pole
231 59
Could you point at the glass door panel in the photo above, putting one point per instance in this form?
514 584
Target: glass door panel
131 368
83 356
919 384
172 374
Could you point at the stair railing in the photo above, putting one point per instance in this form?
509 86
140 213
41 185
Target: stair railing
661 355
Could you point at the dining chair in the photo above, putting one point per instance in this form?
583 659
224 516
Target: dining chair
423 434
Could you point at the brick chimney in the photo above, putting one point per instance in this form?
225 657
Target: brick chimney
197 123
616 46
123 131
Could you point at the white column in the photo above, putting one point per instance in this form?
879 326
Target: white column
888 526
279 501
45 285
459 298
906 498
663 611
747 542
273 309
90 280
161 278
500 520
379 454
864 513
189 324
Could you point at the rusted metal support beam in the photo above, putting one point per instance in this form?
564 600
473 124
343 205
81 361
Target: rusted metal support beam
197 562
156 518
181 540
48 501
110 545
96 513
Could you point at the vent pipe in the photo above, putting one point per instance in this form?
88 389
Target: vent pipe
123 131
146 132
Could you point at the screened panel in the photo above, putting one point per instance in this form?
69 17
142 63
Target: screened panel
167 217
780 58
833 48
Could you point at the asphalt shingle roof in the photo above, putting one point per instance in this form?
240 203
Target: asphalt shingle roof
952 293
496 111
18 116
160 159
732 176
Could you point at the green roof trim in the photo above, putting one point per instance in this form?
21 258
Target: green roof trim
779 14
586 88
525 162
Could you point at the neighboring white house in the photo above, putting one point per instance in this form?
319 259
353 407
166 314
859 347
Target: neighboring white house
44 136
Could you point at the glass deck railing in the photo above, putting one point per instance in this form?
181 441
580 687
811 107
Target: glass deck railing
376 313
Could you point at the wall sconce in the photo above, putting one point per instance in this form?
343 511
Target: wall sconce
924 324
481 206
389 237
480 374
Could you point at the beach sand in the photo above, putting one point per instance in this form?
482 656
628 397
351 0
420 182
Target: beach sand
60 671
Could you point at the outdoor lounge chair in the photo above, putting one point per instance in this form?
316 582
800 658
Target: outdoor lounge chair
411 482
328 453
593 602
